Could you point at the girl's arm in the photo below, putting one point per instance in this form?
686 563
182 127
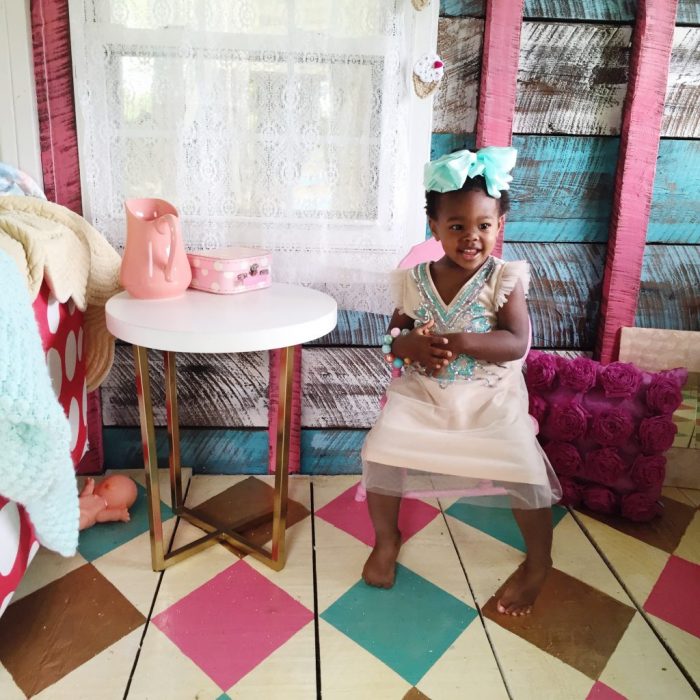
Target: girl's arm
399 320
508 342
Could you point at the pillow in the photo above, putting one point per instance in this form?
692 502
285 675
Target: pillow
605 429
15 182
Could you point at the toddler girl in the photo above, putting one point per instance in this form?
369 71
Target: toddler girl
457 421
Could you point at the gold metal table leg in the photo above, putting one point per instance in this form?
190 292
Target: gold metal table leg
173 421
284 425
150 456
229 534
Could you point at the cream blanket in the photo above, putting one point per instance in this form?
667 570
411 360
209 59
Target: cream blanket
48 241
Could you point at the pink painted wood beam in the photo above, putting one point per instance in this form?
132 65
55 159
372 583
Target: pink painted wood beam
499 74
652 41
53 77
54 91
274 412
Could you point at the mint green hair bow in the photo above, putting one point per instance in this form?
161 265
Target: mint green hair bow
451 171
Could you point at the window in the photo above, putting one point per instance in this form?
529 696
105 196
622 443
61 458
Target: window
285 124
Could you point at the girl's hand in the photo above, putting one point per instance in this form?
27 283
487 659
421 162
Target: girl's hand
424 348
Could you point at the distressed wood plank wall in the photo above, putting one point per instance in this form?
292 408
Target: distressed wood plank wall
634 177
682 101
572 80
669 296
459 44
675 204
588 10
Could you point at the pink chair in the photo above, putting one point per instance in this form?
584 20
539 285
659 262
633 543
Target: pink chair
431 250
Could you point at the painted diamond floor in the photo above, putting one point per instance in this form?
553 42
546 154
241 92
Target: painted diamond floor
618 617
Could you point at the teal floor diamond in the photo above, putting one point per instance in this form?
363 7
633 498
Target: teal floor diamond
408 627
104 537
497 522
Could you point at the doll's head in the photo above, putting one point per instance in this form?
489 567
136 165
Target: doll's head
118 491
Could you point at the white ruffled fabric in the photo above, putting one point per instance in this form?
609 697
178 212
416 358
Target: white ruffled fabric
509 274
470 438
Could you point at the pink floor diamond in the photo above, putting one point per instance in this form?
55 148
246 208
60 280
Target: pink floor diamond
674 598
232 623
352 517
600 691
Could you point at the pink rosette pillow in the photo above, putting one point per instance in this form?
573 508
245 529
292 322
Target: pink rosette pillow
648 472
664 394
612 426
605 428
656 434
600 499
567 421
640 507
541 370
578 374
605 466
620 380
565 458
572 491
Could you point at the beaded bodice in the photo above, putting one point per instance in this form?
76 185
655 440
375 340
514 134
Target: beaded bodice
464 314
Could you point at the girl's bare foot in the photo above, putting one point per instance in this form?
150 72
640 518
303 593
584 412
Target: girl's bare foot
520 591
380 567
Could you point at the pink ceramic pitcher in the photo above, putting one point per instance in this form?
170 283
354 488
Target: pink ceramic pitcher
155 265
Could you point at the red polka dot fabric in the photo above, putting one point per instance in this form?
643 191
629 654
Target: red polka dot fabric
18 546
63 338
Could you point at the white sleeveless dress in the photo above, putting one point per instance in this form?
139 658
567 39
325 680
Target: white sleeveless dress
466 432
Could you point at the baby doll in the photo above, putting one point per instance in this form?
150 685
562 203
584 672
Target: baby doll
106 502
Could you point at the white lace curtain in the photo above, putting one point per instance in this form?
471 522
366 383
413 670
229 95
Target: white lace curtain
283 124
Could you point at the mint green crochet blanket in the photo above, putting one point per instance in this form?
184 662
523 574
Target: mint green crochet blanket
36 469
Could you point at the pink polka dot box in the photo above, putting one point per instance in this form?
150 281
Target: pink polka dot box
230 270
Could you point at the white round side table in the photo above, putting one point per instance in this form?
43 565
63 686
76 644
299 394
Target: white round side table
281 316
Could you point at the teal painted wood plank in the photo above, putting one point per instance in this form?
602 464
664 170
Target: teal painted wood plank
355 328
462 8
564 299
675 204
226 451
562 187
238 451
688 12
331 451
669 295
440 144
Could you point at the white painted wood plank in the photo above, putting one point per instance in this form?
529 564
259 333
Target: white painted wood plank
572 78
682 106
456 102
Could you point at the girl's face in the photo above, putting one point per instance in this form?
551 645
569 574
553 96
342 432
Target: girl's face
467 225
